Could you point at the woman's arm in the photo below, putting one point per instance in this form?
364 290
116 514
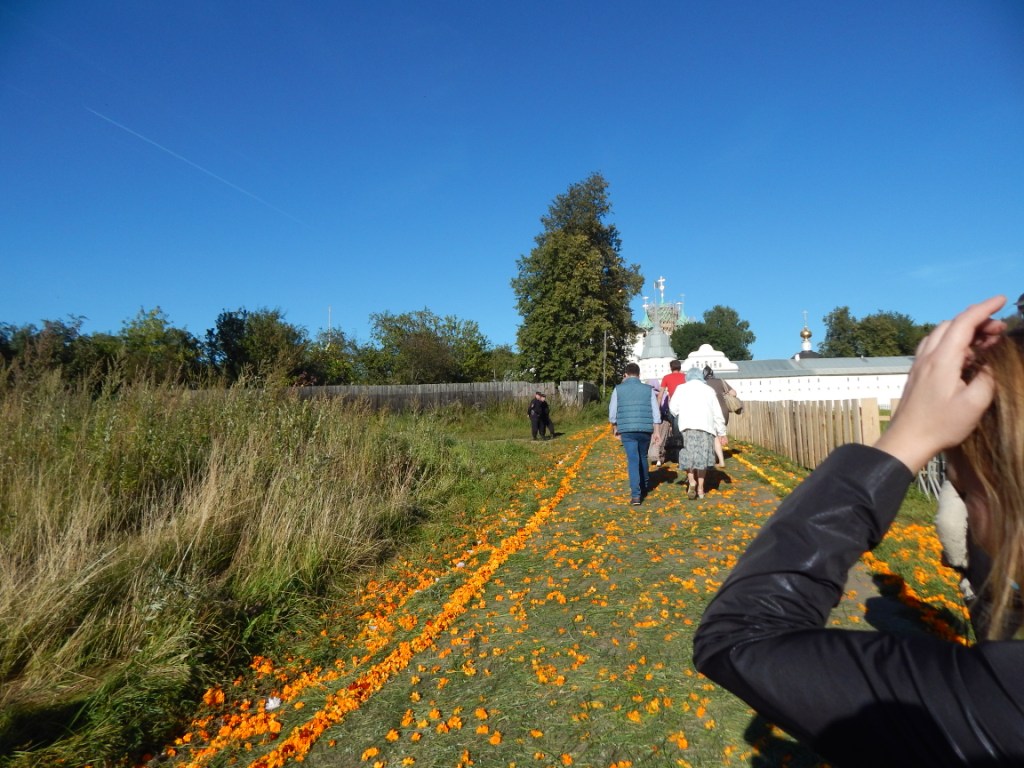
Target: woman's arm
868 698
858 698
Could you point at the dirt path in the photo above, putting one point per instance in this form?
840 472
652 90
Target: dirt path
578 651
565 639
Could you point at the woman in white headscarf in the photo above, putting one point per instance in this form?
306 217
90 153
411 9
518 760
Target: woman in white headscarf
700 419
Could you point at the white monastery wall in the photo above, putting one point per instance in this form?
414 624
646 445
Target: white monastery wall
884 387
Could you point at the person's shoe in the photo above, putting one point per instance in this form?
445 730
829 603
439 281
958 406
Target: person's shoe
691 492
657 464
635 502
700 494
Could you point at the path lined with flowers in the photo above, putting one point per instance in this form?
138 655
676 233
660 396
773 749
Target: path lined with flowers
555 636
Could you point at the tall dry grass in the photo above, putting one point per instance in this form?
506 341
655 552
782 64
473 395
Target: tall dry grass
151 537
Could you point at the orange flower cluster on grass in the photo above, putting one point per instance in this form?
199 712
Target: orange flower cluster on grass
772 481
933 608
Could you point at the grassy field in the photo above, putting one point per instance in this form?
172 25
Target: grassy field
156 540
241 578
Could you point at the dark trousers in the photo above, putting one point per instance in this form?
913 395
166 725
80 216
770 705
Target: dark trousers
539 423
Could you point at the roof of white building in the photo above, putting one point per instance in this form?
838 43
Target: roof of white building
819 366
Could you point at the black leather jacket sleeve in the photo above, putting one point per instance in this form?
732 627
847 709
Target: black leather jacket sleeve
859 698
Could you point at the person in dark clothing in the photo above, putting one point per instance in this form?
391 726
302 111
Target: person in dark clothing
874 698
540 417
545 418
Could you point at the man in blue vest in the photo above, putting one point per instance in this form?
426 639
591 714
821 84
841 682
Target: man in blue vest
633 412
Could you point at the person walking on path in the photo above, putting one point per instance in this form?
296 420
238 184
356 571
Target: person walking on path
662 431
699 417
721 389
633 412
540 419
545 418
669 382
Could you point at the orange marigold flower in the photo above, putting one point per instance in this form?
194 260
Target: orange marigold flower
370 752
680 740
495 738
213 697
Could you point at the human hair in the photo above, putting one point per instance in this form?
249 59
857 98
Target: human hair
632 369
675 365
995 452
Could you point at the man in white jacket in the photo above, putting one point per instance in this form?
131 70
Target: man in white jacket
700 420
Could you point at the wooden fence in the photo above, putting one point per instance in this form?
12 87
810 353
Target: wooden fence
475 395
805 432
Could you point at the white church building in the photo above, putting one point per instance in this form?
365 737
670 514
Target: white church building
804 376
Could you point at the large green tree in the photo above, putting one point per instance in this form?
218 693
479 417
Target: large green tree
841 336
722 328
573 291
155 348
880 334
259 343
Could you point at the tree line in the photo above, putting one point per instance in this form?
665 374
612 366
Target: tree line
417 347
573 292
881 334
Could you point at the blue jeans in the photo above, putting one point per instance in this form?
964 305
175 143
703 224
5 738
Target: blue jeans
636 445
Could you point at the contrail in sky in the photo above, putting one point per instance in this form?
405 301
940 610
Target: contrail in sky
198 167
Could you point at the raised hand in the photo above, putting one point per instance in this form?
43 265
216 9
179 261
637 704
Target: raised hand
938 408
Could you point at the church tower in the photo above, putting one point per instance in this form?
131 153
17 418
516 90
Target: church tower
805 352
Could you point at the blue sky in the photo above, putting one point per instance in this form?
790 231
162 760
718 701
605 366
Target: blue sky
336 159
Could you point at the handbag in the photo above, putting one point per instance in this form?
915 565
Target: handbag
733 403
